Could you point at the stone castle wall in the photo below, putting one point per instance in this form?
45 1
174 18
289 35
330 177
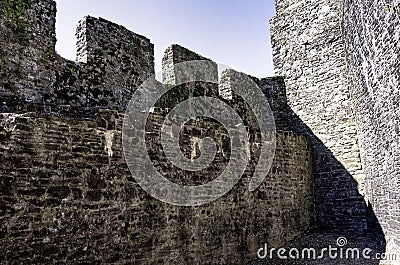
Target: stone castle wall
340 62
112 61
372 41
66 194
309 52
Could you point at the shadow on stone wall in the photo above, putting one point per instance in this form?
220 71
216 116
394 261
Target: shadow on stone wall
347 207
340 209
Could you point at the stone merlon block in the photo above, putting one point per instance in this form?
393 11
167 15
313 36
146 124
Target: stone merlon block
105 43
176 54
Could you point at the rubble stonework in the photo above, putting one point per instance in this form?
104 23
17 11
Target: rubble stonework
66 194
309 52
340 62
372 41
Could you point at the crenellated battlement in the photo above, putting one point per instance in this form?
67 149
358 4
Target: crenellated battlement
111 62
67 195
63 123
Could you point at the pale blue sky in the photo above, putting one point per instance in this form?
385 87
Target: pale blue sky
232 32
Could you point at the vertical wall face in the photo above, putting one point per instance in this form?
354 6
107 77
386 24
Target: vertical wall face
275 92
309 53
71 197
371 32
114 49
176 54
28 24
273 89
27 40
186 81
113 61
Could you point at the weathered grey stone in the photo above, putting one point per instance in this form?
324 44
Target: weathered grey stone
340 61
66 194
309 52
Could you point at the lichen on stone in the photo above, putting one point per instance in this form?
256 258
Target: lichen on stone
14 11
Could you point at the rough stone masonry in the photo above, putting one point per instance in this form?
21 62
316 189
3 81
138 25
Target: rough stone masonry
67 196
340 62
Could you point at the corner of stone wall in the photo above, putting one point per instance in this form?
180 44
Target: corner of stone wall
176 54
113 47
189 73
308 50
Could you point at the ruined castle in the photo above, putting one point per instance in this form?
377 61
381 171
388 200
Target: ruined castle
67 195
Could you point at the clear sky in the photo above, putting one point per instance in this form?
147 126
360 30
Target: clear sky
232 32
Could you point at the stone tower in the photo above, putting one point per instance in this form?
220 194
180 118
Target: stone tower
340 61
309 52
